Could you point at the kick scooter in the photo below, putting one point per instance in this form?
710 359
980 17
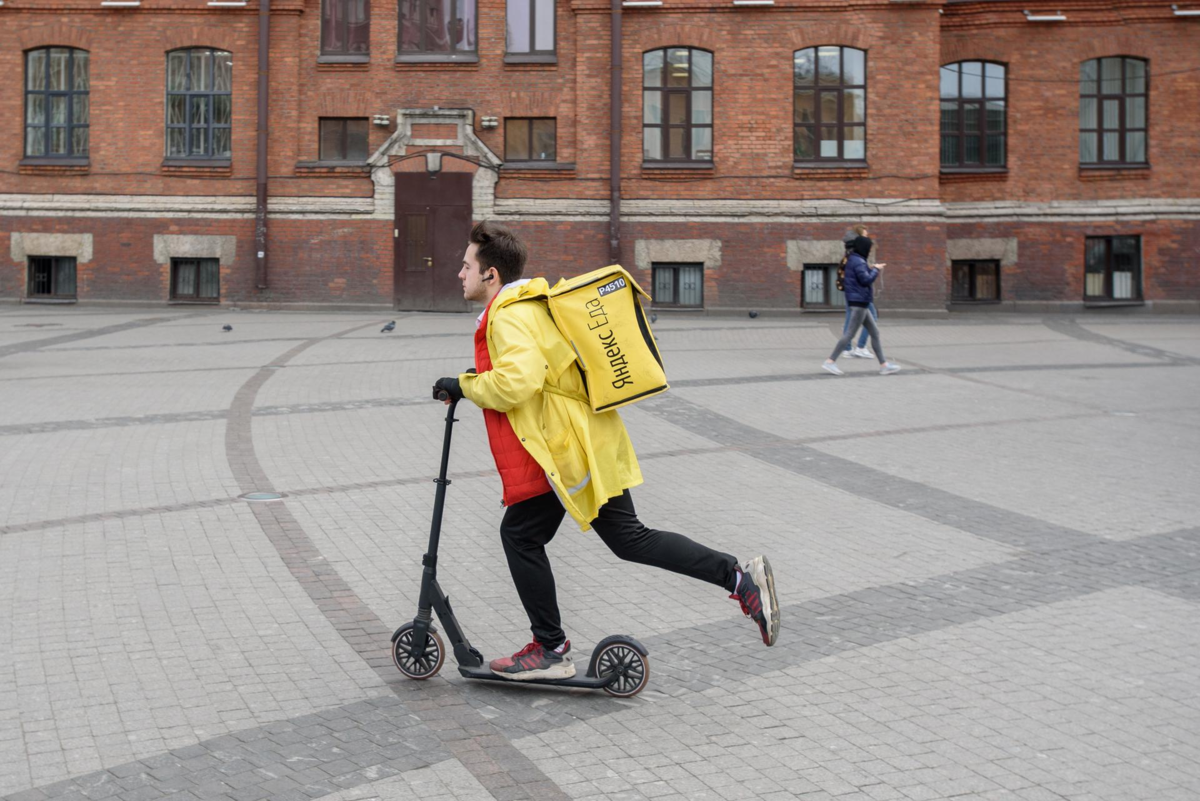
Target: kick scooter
620 665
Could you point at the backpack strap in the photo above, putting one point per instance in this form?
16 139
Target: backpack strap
555 390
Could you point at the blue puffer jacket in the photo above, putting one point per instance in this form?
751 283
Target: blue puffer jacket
858 280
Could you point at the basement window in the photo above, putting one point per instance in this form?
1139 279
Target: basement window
680 285
52 277
196 280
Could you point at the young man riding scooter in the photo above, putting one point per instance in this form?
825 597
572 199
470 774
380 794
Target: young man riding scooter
549 445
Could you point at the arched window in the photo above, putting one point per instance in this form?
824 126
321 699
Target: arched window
1112 110
830 103
345 27
677 104
57 113
199 103
973 114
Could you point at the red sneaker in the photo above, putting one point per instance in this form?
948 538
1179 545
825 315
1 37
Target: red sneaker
756 594
535 662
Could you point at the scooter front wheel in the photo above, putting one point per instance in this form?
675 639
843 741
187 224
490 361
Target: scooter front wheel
631 667
418 663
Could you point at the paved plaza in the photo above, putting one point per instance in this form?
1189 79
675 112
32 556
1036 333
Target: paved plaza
989 565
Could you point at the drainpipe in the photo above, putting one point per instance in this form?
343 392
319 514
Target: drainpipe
260 204
614 139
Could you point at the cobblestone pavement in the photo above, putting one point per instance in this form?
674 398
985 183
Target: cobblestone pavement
989 566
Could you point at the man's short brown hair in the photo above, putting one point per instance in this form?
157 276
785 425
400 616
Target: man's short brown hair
499 249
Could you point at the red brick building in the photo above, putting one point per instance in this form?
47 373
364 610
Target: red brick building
1040 159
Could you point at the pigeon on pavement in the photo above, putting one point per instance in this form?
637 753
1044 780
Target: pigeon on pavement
227 327
753 314
653 317
389 328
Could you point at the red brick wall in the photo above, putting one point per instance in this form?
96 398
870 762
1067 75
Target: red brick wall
346 262
331 261
336 261
1050 257
350 262
1043 101
122 265
128 86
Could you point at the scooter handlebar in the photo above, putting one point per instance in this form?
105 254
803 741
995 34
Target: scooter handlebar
441 395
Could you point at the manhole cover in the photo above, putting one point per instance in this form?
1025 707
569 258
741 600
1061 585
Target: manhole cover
262 496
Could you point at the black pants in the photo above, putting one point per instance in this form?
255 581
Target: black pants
529 525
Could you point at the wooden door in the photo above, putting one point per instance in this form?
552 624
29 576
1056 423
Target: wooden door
433 221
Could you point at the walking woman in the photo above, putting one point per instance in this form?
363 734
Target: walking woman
860 294
860 351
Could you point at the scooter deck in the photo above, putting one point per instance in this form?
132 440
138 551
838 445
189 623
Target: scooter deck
586 682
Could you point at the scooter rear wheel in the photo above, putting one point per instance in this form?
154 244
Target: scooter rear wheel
422 665
633 669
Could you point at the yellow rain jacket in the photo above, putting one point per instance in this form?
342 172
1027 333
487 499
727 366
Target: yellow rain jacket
588 457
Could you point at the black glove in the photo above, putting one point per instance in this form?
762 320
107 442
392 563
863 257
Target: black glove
448 385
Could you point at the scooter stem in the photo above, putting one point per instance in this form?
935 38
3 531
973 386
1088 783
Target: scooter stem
439 500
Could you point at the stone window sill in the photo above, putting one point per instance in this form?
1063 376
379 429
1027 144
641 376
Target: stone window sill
345 58
1112 304
437 59
197 167
829 165
50 301
678 169
1113 172
957 175
531 61
829 170
319 169
64 165
340 66
538 169
677 165
1083 167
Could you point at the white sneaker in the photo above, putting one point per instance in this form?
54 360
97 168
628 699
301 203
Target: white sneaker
831 367
887 368
862 353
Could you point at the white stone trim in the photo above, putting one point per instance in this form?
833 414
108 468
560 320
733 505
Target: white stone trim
865 210
24 244
1001 249
486 205
813 251
707 251
13 205
549 210
194 246
324 208
1075 210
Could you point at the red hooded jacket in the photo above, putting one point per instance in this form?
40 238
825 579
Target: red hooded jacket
522 476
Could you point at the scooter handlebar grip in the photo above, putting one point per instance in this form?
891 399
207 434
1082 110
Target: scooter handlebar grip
442 395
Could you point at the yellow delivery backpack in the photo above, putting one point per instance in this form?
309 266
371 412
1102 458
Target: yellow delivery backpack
600 313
